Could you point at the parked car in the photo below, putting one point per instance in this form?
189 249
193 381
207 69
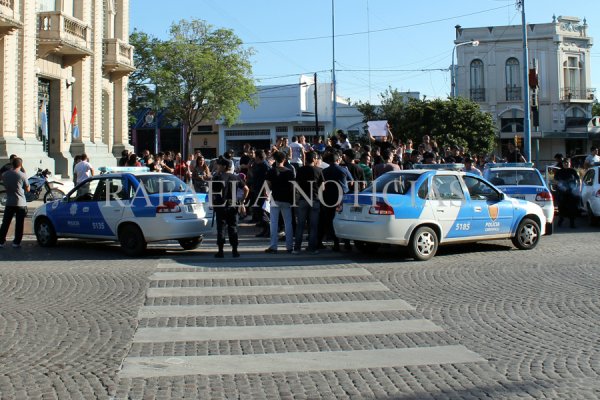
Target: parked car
422 209
128 205
590 194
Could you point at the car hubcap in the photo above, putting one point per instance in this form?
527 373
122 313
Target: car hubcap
528 235
425 243
43 233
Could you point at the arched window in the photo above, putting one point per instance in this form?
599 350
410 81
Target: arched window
572 78
513 80
477 82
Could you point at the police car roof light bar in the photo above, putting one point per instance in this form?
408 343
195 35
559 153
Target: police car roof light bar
510 165
112 170
448 167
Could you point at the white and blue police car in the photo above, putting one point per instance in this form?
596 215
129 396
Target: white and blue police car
129 205
424 208
522 181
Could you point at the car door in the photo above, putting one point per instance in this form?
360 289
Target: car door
491 214
587 187
70 216
448 203
107 208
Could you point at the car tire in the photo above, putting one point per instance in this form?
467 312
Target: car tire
594 220
53 194
366 247
190 243
45 232
3 200
423 243
132 240
527 235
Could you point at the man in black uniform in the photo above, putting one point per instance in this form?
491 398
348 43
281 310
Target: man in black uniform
224 188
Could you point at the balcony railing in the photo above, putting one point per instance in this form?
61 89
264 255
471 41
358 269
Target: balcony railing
477 95
577 94
117 57
64 35
9 20
513 93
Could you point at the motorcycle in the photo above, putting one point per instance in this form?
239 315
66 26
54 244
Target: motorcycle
37 184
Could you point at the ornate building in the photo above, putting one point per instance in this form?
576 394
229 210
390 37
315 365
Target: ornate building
492 75
63 86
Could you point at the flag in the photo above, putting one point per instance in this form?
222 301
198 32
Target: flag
44 120
74 126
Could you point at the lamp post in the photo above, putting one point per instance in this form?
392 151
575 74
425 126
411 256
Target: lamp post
474 43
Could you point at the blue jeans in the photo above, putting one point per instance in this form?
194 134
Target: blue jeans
304 211
285 209
9 212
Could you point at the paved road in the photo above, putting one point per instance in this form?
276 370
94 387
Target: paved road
478 321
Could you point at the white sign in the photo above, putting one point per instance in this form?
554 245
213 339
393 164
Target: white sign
378 128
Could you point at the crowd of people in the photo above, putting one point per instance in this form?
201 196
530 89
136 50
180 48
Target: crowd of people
331 168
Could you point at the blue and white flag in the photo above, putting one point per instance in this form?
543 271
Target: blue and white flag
44 120
74 124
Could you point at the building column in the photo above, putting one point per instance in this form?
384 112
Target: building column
121 121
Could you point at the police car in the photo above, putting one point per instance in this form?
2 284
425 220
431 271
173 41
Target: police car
424 208
522 181
129 205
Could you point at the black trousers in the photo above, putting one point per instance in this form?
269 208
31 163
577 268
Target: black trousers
9 213
227 220
326 217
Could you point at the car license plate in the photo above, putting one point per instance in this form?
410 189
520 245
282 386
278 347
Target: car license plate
356 209
519 196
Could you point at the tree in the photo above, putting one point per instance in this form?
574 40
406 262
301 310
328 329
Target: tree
596 109
198 74
456 121
141 88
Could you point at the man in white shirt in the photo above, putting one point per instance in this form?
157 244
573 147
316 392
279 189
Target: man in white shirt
83 169
297 153
592 158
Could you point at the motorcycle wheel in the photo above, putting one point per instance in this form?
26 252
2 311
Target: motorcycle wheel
53 194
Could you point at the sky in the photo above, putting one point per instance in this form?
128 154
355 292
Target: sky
405 45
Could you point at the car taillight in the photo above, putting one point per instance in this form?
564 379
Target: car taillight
381 209
598 193
543 196
168 207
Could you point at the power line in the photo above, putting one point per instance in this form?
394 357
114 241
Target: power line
375 30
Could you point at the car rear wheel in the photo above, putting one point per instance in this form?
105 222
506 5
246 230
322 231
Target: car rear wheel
132 240
366 247
594 220
527 236
423 244
190 243
44 232
53 194
3 199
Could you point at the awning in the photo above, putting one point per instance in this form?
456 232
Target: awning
565 135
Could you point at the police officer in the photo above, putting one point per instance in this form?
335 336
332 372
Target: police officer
224 187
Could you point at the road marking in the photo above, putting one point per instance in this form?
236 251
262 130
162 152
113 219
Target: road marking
266 290
254 263
274 309
262 274
149 367
262 332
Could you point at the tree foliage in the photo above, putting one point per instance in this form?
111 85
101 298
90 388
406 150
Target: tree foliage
453 121
595 109
198 74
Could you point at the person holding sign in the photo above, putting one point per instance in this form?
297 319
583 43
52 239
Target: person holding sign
380 133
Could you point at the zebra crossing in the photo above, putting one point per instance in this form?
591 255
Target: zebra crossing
282 283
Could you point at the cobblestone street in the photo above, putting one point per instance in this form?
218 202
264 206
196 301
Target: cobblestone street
478 321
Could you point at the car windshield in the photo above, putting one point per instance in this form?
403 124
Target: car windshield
162 184
514 177
393 183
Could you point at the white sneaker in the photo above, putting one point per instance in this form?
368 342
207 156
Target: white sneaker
16 246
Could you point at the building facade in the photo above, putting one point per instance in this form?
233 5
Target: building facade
63 81
492 75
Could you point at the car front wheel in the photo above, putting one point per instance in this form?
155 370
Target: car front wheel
527 236
132 240
44 232
423 244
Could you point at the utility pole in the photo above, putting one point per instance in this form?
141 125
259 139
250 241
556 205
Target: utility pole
333 66
316 108
526 107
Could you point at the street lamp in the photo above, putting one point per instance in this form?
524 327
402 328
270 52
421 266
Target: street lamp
473 43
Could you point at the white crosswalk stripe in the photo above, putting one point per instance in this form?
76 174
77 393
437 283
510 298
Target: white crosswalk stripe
278 274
